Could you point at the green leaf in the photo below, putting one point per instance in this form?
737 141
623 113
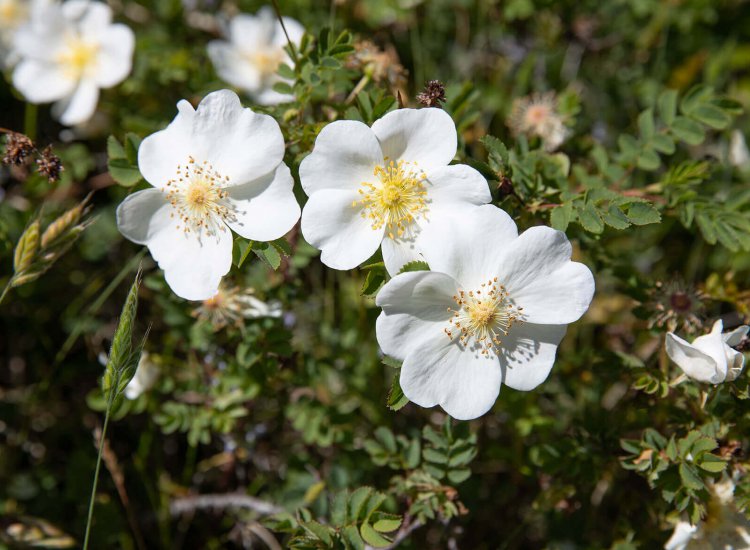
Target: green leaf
431 455
459 476
667 105
696 96
646 125
688 130
690 477
590 219
416 265
712 463
132 143
372 537
357 501
387 524
352 536
114 149
339 509
319 531
123 172
614 217
385 436
373 281
391 362
643 213
268 254
396 397
663 143
712 116
648 160
560 216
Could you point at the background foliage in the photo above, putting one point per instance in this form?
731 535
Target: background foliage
288 423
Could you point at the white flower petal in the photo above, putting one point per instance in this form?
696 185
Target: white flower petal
345 155
426 137
160 153
458 183
143 214
528 353
682 535
415 308
398 252
470 247
734 337
250 32
437 371
713 345
233 67
269 96
266 208
95 20
293 28
735 364
693 362
331 224
41 82
557 298
537 272
80 106
115 58
239 143
193 267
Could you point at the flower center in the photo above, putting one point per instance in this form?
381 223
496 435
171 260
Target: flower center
680 301
537 114
199 199
78 57
482 317
267 61
395 199
11 13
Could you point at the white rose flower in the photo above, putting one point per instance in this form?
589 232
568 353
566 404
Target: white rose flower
146 375
724 526
709 358
14 14
213 169
384 185
252 53
67 53
491 311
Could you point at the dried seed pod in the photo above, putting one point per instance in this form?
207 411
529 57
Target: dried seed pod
18 148
49 165
26 248
433 94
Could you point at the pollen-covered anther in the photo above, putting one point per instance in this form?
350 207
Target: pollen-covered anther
394 199
199 199
482 317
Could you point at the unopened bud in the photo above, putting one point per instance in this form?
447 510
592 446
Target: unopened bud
49 165
433 94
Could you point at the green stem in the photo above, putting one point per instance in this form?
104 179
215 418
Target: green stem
6 290
30 121
110 401
283 27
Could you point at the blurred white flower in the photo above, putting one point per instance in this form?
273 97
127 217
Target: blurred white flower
724 528
67 52
231 305
384 185
13 14
252 53
709 358
491 311
146 375
213 169
739 155
537 115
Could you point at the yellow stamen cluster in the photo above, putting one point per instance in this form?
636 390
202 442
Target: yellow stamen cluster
199 199
78 57
11 13
267 61
482 316
395 199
